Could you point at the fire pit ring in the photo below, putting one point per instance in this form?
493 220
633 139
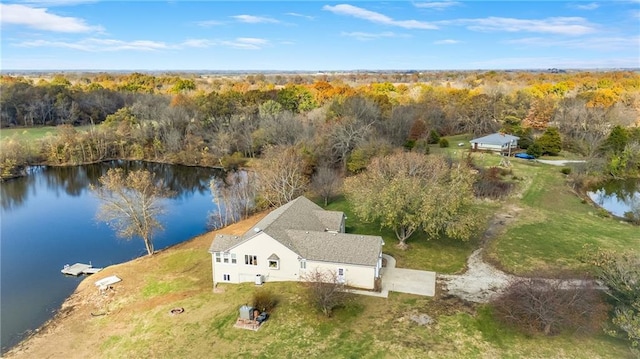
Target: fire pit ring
176 311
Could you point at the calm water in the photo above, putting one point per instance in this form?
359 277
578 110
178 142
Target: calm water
48 220
617 197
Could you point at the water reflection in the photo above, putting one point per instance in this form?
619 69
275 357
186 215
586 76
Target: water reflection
75 180
617 197
48 220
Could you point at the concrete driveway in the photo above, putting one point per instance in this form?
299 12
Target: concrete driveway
407 280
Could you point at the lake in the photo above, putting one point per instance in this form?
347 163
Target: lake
617 196
48 220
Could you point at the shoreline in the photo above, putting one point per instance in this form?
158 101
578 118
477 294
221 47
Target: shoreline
57 334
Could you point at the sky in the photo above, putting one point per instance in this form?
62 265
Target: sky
318 35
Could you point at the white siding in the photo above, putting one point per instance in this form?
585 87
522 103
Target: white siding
355 275
261 246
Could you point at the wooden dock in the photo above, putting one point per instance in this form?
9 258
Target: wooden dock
79 268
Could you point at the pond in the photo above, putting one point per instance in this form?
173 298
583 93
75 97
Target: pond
48 220
617 196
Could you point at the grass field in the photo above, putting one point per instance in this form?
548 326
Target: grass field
32 133
554 225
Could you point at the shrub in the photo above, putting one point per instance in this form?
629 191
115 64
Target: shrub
566 170
443 142
421 146
264 300
326 292
551 307
535 150
490 183
434 137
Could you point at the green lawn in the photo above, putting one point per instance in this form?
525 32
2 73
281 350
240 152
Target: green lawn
366 327
554 225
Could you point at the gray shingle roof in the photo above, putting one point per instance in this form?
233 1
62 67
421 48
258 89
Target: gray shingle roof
337 247
495 139
301 226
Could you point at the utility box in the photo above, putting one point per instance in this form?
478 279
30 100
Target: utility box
246 312
259 280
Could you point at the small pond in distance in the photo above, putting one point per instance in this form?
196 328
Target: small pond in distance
617 196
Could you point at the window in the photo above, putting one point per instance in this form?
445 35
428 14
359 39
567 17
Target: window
274 264
225 258
250 260
226 277
303 264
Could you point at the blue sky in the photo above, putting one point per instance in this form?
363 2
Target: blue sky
318 36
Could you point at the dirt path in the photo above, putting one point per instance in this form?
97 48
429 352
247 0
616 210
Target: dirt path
483 282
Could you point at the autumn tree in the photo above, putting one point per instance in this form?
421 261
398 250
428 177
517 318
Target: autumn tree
280 175
620 272
407 191
131 204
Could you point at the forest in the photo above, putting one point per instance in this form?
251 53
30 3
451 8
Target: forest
339 120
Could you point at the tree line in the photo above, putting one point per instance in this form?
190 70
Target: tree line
173 119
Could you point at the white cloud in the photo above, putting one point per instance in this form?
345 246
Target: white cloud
552 25
100 45
436 5
446 42
635 14
200 43
595 43
590 6
365 36
250 19
41 19
300 15
375 17
109 45
209 23
246 43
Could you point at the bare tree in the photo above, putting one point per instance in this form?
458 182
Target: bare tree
325 289
551 306
234 198
326 182
280 175
131 204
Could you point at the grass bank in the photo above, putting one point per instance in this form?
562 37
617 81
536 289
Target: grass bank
133 321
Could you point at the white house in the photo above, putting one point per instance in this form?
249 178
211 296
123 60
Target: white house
499 142
295 238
